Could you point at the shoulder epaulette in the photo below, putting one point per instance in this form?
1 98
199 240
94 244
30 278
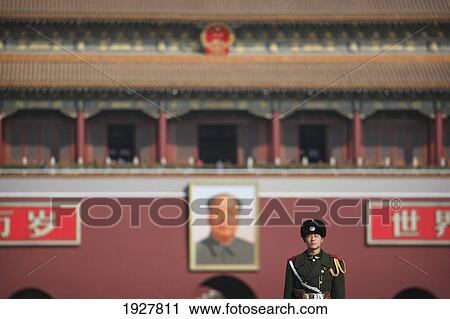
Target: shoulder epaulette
339 265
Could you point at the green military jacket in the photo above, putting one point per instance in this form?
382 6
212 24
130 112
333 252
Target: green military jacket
320 271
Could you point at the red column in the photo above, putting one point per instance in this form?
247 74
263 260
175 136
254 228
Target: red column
439 137
357 136
2 145
80 137
276 138
162 137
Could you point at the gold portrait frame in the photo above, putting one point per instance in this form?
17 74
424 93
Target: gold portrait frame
248 267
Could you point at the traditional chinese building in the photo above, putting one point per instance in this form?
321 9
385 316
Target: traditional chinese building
189 82
182 83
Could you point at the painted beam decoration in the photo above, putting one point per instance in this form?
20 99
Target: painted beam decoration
39 223
407 222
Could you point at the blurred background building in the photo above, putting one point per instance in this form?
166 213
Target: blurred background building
322 80
357 85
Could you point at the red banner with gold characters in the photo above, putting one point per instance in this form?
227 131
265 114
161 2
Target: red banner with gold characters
39 223
217 39
401 222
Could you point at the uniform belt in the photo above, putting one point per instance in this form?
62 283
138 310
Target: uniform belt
313 296
301 294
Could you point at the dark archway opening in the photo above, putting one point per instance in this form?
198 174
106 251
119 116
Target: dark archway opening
30 293
230 287
414 293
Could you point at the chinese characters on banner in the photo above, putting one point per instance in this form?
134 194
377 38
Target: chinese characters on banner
39 224
408 223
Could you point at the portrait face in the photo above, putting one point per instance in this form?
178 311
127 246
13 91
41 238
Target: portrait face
223 218
313 241
223 235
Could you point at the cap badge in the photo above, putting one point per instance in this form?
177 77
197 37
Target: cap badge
312 228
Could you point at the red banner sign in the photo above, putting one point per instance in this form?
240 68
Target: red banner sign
408 223
39 224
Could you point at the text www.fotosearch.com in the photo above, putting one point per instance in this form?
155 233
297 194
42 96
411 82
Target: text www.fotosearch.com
240 309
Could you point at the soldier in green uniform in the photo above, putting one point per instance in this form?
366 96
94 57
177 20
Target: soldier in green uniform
314 273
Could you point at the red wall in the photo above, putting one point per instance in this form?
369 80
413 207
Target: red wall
152 262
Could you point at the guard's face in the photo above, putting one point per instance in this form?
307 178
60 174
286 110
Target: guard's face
313 241
223 218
